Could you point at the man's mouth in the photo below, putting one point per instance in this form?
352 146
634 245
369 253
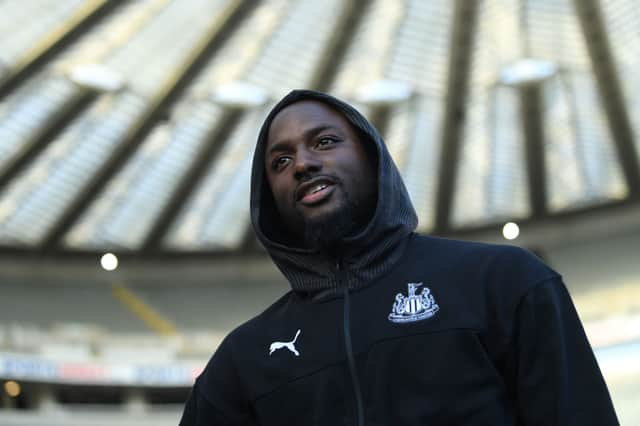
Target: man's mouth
313 192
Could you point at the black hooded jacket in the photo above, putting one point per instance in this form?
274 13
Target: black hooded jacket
400 329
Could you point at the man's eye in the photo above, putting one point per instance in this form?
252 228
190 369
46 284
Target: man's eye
325 141
279 163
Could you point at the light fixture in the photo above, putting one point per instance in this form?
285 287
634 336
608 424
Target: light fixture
510 230
97 76
384 92
240 94
527 71
109 261
12 388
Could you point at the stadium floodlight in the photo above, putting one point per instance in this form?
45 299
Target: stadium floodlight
109 261
527 71
240 94
97 77
511 230
12 388
384 92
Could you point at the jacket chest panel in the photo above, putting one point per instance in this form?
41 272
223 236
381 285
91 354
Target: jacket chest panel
410 380
412 304
306 338
321 398
418 377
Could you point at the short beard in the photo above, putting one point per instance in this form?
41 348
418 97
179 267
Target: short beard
326 232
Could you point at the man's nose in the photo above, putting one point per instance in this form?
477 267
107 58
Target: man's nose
306 163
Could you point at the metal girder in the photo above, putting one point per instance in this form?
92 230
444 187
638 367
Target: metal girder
338 44
604 67
54 42
533 129
459 66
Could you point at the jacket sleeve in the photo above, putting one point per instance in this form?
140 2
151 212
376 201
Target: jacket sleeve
554 373
218 397
200 412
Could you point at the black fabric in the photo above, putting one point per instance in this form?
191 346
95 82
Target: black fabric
365 256
505 347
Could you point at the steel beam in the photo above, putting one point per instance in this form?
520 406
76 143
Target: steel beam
459 66
533 129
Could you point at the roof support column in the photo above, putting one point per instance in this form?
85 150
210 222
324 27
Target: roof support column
533 128
462 32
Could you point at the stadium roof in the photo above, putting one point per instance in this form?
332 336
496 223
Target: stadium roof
130 125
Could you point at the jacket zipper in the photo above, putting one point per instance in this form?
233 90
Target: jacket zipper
349 347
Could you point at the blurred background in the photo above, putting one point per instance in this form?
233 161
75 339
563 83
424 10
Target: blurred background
127 129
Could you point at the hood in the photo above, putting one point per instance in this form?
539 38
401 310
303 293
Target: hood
364 256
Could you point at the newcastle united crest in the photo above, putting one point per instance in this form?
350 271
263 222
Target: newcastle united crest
413 307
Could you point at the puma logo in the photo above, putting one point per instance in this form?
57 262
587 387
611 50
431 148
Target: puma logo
289 345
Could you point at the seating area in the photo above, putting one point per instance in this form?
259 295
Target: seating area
87 342
97 417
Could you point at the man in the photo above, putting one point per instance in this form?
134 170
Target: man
383 326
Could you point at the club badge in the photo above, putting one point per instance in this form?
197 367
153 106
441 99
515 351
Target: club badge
413 307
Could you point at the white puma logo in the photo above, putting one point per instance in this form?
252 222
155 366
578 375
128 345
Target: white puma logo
289 345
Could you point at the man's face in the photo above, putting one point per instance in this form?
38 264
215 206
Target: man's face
321 178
